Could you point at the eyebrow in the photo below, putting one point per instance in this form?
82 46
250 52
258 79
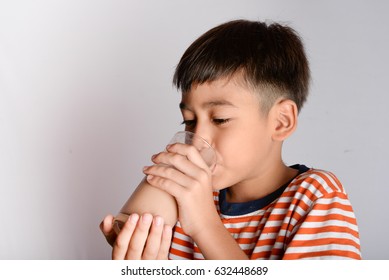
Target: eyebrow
209 104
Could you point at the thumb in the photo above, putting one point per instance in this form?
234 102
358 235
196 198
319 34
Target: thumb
106 227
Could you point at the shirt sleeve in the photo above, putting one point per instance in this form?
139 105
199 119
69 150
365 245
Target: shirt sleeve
327 230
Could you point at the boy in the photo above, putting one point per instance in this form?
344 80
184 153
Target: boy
243 84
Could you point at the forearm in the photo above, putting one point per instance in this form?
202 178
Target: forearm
215 242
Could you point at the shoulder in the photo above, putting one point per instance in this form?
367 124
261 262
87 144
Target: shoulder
316 183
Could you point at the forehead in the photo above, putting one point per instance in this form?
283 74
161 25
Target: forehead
219 93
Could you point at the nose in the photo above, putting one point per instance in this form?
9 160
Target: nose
204 132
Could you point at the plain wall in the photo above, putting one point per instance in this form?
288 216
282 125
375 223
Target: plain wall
86 98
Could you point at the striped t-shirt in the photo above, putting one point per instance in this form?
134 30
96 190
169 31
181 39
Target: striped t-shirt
309 218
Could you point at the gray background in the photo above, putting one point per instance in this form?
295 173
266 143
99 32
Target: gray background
86 98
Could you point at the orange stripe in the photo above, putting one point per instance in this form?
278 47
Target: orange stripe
182 242
181 253
271 229
323 241
266 254
325 229
265 242
338 217
180 230
333 205
196 249
340 253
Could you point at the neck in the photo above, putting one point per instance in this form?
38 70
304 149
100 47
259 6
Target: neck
272 178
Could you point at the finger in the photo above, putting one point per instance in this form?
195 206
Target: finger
169 173
166 241
154 239
138 240
168 185
122 241
189 151
178 153
106 227
181 163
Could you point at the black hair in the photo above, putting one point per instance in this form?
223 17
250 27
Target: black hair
271 59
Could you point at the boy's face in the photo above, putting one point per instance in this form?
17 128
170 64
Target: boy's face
228 116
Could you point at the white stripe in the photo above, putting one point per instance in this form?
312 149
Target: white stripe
247 235
330 247
176 257
322 235
327 258
327 223
242 225
274 223
285 199
264 248
182 248
267 236
198 256
326 212
182 237
329 200
247 246
267 248
279 211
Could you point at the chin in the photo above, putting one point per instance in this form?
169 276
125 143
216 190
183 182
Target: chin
218 183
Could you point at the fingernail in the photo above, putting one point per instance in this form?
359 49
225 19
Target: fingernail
134 218
150 177
153 157
167 228
146 218
145 168
168 146
158 220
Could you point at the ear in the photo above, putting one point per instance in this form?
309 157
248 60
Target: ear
285 119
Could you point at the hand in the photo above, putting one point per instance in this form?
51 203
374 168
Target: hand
141 238
182 173
106 227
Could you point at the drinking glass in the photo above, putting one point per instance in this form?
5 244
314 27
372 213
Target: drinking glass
148 199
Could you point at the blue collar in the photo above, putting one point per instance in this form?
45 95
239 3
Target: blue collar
236 209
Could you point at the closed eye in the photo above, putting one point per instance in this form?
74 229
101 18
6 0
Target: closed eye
220 121
189 123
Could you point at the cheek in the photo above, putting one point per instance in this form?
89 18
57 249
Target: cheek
236 152
241 151
234 165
